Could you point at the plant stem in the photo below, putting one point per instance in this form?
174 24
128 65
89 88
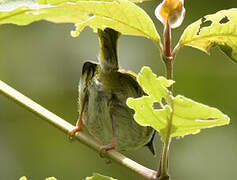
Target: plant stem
168 60
169 71
80 136
164 158
167 42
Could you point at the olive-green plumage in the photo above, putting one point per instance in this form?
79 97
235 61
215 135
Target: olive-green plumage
103 91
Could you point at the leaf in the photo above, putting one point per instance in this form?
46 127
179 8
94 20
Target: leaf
120 15
160 110
51 178
26 12
158 90
99 177
218 29
56 2
23 178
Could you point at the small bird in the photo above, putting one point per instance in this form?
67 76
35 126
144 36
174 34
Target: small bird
103 91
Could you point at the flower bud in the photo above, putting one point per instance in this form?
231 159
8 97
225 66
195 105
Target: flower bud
171 11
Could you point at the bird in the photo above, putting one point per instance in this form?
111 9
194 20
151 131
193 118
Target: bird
103 91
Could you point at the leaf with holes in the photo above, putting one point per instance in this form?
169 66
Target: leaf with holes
171 116
218 29
121 15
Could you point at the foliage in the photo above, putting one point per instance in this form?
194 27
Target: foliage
56 2
97 176
96 14
218 29
23 178
49 178
171 116
159 107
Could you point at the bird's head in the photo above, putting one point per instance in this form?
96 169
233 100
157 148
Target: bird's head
88 72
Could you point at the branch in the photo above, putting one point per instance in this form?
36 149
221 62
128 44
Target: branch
67 127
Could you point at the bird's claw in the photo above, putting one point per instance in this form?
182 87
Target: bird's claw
72 132
106 148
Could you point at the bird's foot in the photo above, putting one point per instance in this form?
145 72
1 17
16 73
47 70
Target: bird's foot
72 132
106 148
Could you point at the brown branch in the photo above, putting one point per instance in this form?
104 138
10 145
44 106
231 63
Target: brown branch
67 127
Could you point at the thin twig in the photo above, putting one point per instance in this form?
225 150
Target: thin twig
67 127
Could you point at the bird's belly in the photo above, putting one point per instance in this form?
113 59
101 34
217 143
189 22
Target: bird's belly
97 119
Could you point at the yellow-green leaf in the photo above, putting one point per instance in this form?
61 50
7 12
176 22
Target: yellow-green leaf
51 178
97 176
26 12
190 116
56 2
23 178
121 15
218 29
160 110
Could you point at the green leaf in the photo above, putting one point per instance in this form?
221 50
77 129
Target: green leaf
218 29
56 2
23 178
26 12
121 15
51 178
99 177
160 110
159 89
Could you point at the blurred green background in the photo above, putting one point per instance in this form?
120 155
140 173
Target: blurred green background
44 62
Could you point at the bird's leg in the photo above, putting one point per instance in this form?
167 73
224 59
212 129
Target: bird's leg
79 121
78 127
112 145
